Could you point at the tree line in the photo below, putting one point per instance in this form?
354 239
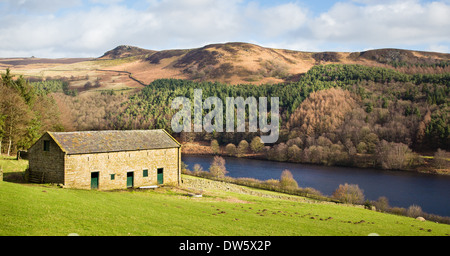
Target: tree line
386 97
331 110
25 113
335 115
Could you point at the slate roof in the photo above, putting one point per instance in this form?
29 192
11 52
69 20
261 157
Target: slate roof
86 142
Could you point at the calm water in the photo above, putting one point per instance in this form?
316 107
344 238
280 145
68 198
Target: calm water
431 192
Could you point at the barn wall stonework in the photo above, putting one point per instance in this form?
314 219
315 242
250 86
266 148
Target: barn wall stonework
78 168
49 163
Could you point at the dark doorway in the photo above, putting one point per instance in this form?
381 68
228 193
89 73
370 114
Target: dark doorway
160 176
130 179
94 180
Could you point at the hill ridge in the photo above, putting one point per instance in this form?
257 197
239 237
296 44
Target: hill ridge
123 51
230 62
215 45
238 62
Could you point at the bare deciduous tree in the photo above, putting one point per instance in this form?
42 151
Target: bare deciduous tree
217 168
440 159
349 193
287 180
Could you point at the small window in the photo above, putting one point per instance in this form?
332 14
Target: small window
113 176
46 145
145 173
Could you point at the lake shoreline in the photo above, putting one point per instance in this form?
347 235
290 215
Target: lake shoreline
402 188
200 150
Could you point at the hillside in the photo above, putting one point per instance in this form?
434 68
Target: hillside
232 63
394 96
236 63
46 210
123 51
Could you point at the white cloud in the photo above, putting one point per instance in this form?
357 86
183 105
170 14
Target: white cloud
193 21
38 5
385 25
106 1
438 48
275 21
50 28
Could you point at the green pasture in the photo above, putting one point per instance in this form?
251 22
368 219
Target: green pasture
47 210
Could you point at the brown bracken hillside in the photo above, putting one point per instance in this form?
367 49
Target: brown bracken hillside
232 63
236 63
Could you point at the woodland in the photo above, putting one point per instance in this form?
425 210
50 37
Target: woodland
335 114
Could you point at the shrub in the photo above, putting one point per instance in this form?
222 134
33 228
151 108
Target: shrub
336 155
287 180
242 148
317 154
184 168
361 147
349 193
394 155
440 161
398 211
272 183
215 147
217 168
281 152
230 149
368 204
382 204
87 85
247 181
371 141
308 191
256 145
197 168
294 153
414 211
295 141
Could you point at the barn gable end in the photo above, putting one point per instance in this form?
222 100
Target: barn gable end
46 161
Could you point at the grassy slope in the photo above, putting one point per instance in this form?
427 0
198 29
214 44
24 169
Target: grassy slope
31 209
45 210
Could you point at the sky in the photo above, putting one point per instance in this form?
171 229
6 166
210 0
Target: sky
88 28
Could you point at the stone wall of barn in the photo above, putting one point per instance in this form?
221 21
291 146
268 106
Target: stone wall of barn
46 166
78 168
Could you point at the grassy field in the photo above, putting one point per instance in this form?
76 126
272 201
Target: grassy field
12 169
46 210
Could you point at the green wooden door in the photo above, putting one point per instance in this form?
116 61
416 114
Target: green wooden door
130 178
94 180
160 176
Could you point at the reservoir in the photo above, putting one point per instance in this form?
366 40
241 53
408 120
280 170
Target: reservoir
430 192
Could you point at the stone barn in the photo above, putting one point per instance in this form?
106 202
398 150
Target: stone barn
106 160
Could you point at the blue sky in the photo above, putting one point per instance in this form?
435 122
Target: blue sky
88 28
